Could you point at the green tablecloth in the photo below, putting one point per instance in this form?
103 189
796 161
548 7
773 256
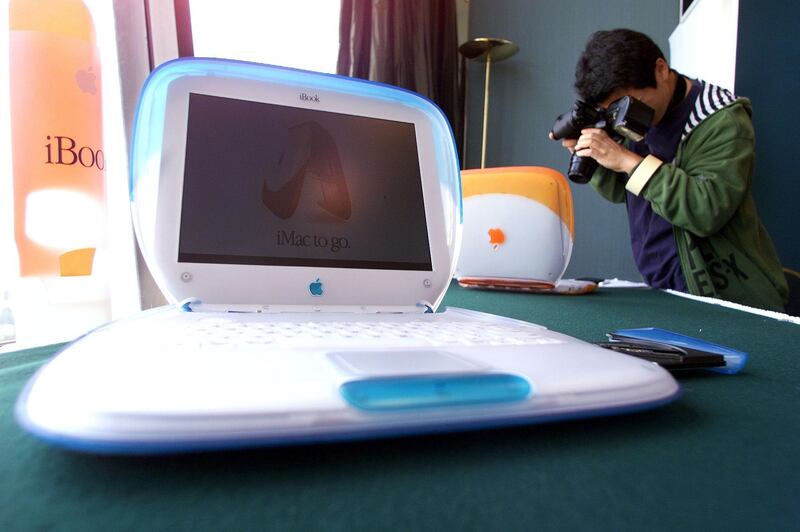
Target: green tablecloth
723 457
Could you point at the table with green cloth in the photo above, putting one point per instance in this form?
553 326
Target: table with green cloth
724 456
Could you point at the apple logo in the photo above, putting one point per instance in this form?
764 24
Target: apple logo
316 288
86 80
496 237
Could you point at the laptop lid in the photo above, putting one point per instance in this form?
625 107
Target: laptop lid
265 188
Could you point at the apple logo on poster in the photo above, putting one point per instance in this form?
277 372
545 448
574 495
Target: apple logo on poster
496 238
86 80
316 288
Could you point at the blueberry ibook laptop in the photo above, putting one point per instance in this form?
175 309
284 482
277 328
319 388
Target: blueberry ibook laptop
305 228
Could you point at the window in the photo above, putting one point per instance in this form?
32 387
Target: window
295 34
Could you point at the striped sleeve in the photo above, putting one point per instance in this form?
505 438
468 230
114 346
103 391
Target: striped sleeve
711 99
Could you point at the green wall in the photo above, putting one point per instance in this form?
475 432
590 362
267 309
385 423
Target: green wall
530 89
767 72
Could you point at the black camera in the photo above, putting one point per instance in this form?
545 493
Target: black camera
624 118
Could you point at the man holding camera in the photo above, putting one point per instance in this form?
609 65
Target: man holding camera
693 222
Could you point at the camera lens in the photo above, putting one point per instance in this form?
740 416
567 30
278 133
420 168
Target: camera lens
581 169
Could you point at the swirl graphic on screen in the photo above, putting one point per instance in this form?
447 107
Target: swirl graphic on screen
310 157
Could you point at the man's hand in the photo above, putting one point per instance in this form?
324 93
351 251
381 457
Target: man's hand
596 143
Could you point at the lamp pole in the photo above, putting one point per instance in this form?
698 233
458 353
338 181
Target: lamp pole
488 50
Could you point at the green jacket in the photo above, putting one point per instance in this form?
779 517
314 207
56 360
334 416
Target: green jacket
724 250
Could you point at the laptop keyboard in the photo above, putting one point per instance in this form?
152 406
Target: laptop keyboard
223 333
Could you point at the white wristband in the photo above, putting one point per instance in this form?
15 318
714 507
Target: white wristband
642 174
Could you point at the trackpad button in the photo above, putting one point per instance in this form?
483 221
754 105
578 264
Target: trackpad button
386 394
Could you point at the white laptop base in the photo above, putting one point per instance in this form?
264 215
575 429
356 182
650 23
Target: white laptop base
173 381
312 225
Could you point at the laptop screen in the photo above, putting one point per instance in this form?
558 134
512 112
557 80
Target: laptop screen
269 184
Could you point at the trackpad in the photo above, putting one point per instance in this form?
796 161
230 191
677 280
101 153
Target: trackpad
401 363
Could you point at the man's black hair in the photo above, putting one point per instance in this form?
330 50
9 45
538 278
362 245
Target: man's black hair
613 60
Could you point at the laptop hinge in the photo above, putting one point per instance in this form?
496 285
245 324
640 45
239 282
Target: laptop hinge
195 305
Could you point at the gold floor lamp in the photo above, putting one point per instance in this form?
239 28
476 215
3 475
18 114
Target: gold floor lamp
487 50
